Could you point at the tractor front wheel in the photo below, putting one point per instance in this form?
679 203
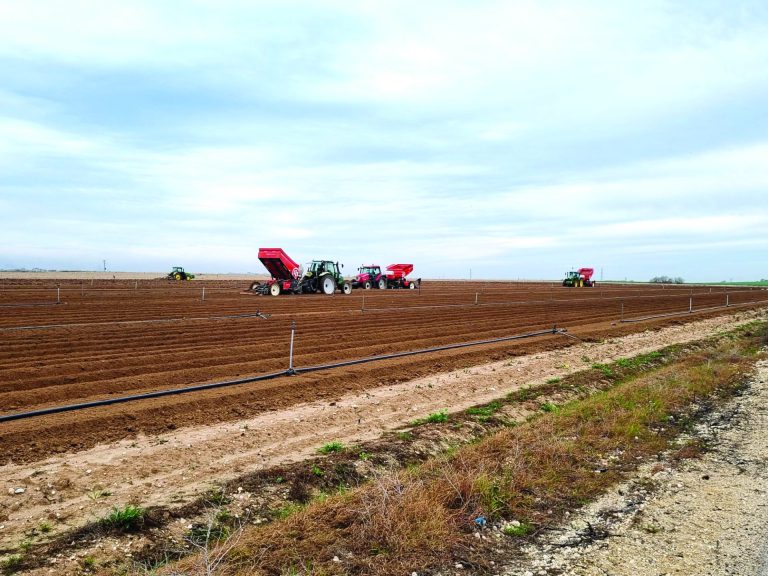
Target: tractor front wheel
347 288
328 285
274 289
368 285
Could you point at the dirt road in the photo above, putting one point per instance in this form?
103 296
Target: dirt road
708 516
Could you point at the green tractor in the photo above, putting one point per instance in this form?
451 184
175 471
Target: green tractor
178 274
579 278
322 276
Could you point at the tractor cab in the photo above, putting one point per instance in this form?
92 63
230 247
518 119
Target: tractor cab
320 267
370 270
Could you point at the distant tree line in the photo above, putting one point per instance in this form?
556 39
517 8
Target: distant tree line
667 280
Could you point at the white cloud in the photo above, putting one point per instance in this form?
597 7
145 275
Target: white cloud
505 131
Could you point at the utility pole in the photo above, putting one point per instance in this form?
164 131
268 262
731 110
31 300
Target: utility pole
104 262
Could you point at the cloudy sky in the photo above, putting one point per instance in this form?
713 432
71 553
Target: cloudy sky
512 138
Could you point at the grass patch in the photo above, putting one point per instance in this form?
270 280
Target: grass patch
202 534
484 413
519 529
287 510
12 563
45 527
605 369
126 519
217 497
331 447
433 418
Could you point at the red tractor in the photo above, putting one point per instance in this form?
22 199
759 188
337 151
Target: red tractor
371 276
580 278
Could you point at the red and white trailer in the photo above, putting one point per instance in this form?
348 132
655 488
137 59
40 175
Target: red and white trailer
284 270
371 276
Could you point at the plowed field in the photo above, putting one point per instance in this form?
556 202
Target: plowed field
112 338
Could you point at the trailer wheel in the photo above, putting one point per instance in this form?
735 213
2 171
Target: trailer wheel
328 285
412 286
347 288
382 284
368 285
274 289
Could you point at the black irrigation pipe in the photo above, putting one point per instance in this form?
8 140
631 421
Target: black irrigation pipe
289 372
689 312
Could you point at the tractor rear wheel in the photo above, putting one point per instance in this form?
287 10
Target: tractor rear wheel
368 285
382 284
177 276
347 288
328 285
274 289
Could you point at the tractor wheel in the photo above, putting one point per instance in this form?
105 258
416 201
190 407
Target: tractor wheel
412 286
188 277
382 283
328 285
177 276
274 289
368 285
347 288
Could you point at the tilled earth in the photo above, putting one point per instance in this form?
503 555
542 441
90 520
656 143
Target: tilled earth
69 490
112 338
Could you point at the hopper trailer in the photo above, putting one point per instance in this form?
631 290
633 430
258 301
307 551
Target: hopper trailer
395 276
288 277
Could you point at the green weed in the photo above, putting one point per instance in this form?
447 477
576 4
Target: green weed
523 529
124 519
331 447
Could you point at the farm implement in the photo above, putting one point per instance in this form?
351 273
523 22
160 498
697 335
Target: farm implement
579 278
318 276
371 276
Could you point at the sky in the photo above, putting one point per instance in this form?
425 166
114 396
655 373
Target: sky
497 139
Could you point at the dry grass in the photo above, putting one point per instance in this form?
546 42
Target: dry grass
410 520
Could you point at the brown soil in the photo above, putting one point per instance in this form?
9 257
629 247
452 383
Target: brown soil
173 465
110 338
